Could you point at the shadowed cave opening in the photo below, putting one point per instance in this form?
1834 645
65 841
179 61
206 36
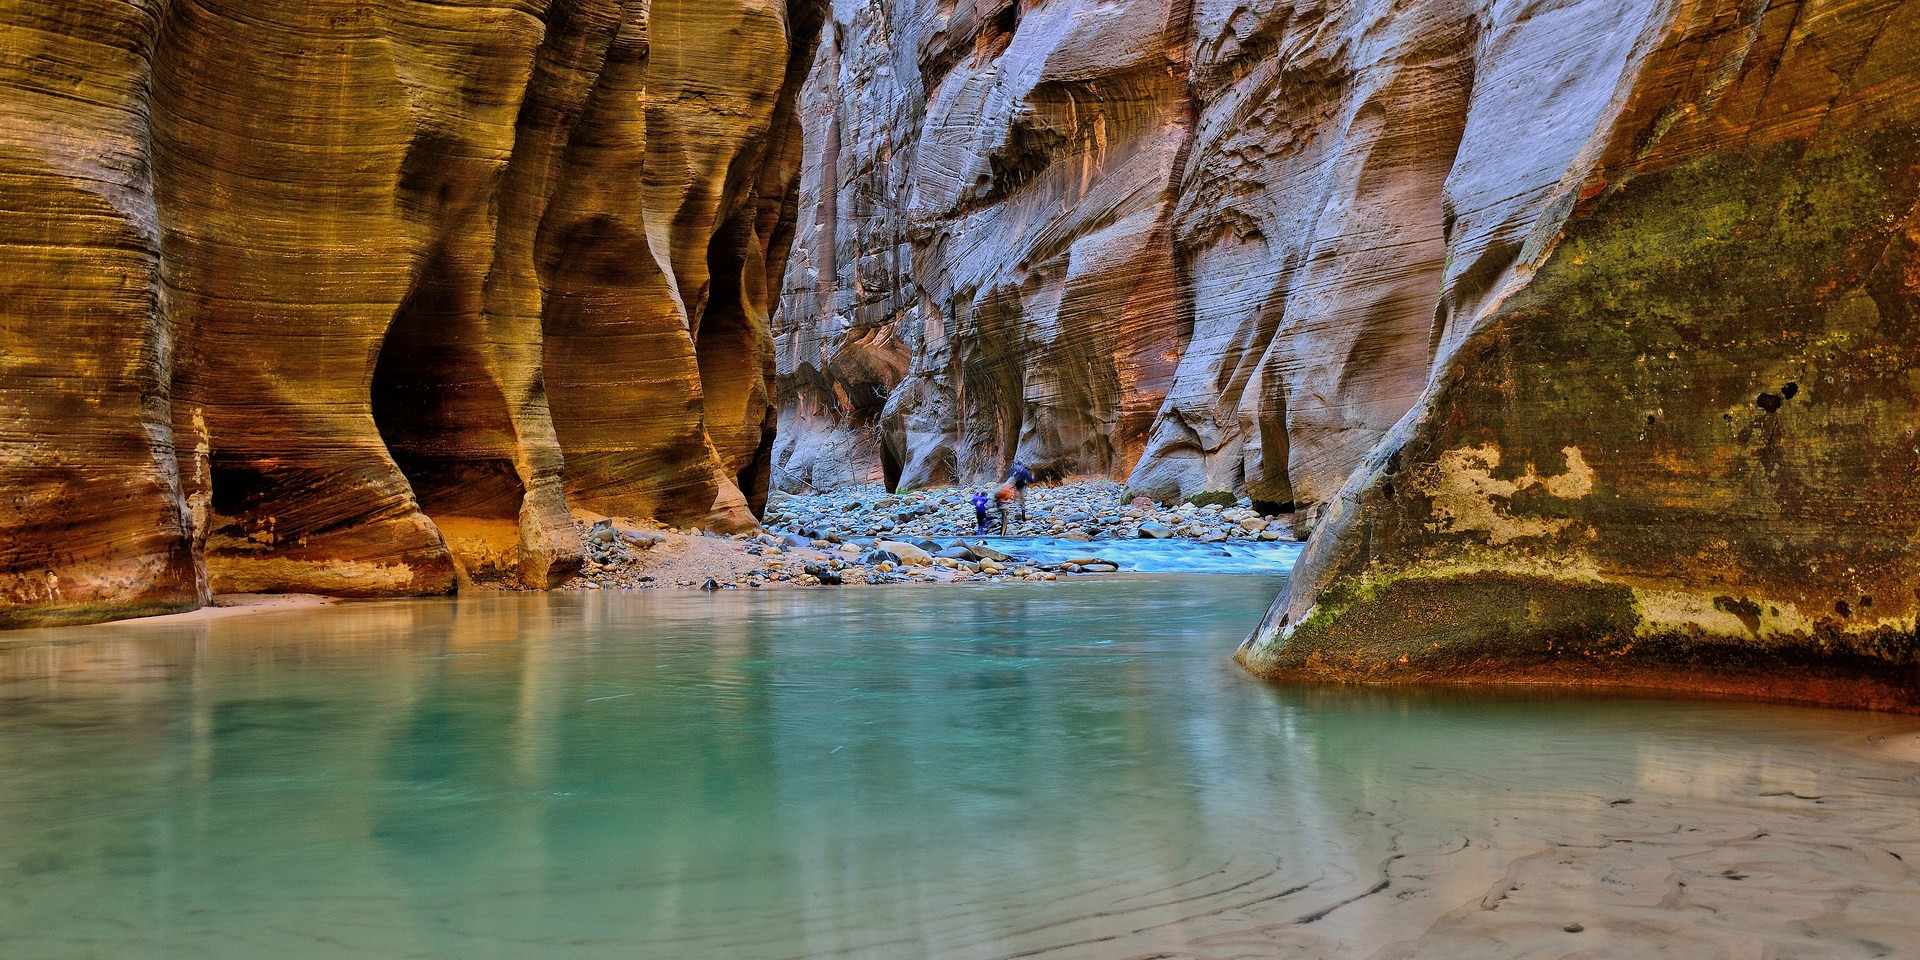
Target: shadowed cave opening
890 465
860 402
444 422
1005 22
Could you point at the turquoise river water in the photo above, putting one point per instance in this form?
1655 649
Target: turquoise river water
1069 770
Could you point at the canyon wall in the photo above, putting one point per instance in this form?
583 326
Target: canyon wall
983 261
1578 332
1192 245
1671 441
361 298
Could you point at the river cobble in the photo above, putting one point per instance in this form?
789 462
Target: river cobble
1082 510
865 535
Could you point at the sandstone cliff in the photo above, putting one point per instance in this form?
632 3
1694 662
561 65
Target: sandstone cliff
1192 245
1669 437
354 297
984 258
1579 319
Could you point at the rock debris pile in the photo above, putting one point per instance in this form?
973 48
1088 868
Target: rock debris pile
864 535
1085 510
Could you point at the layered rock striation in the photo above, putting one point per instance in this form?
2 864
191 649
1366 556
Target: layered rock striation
360 298
983 265
1577 332
1671 439
1195 246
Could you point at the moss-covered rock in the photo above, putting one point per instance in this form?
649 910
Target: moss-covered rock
1209 498
1682 452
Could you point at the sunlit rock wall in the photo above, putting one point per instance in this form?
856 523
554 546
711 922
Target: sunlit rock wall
1196 246
983 266
1670 432
360 298
92 519
1586 318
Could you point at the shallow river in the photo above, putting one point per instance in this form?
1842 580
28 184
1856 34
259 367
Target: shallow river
1029 770
1158 556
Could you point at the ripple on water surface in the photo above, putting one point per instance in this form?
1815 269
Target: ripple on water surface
1060 770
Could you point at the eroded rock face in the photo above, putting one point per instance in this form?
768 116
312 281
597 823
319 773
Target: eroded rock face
1198 246
356 297
984 264
1192 245
91 517
1670 440
1585 318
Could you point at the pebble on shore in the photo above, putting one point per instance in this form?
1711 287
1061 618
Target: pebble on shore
865 535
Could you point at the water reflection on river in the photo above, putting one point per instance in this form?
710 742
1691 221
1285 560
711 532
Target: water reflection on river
1060 770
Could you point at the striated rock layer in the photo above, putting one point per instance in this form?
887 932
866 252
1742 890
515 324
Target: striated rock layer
1580 332
1669 437
983 265
360 298
1194 245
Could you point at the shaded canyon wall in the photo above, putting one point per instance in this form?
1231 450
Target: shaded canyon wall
360 298
1579 331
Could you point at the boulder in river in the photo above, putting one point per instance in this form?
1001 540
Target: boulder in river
905 553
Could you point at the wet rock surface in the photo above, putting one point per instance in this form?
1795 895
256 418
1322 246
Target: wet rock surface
1674 445
864 535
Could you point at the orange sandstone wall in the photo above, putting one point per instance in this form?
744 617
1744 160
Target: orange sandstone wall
359 297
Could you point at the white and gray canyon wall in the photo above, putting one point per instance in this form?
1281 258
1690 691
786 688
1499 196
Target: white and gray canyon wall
1199 246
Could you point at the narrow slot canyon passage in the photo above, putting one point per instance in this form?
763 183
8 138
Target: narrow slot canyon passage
531 452
735 359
